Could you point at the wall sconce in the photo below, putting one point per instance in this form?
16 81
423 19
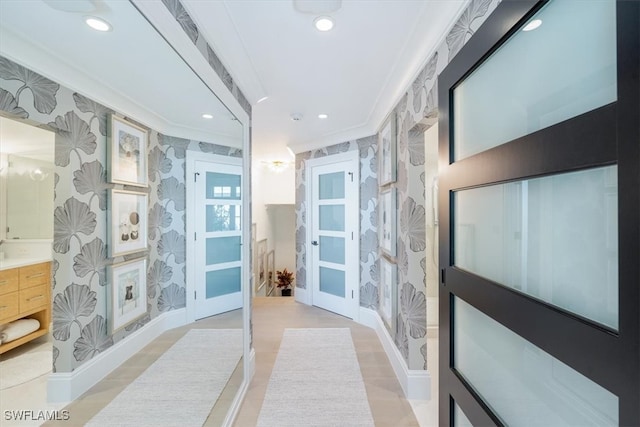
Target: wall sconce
276 166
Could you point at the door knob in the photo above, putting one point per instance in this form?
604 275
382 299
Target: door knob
314 242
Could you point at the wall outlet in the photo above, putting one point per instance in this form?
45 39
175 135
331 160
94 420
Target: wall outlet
23 251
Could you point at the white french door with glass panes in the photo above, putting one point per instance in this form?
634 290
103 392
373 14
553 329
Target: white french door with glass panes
334 239
218 238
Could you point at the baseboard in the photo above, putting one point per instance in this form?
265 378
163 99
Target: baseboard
68 386
302 295
233 411
416 384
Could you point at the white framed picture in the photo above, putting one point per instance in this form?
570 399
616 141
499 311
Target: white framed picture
388 292
127 300
261 263
387 223
127 152
127 222
387 151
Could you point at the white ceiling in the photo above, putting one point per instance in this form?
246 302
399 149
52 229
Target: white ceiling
355 73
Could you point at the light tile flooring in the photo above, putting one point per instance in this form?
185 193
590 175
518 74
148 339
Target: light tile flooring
270 317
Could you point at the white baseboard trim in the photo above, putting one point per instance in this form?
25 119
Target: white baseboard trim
415 383
68 386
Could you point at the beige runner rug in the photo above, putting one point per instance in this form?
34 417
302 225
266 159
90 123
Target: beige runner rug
180 388
316 381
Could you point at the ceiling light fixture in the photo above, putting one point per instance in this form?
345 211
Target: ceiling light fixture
322 116
97 24
532 25
277 166
323 23
264 98
207 116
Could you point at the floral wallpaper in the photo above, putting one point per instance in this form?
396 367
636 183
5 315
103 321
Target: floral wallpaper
79 314
415 113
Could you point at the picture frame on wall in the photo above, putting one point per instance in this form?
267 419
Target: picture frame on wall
387 223
127 231
271 272
261 258
127 299
387 151
126 152
388 292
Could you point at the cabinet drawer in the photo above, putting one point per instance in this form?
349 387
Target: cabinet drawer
34 297
9 306
34 275
9 280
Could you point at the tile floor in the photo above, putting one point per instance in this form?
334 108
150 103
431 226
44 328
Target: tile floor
270 317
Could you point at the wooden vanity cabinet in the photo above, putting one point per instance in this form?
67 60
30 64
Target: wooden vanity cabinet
26 292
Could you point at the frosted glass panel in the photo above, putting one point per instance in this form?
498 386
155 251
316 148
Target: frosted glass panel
332 249
332 217
562 69
223 249
554 238
459 418
223 186
223 218
520 382
332 281
223 282
332 186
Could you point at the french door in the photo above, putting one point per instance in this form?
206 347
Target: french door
333 248
539 210
217 238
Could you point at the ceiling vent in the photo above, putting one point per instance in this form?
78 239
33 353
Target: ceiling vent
317 7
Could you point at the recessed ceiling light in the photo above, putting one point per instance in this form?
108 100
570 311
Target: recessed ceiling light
532 25
207 116
97 24
323 23
264 98
322 116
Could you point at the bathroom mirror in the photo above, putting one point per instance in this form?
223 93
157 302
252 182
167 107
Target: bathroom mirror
131 71
26 181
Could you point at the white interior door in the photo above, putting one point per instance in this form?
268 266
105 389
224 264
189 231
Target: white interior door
218 238
334 237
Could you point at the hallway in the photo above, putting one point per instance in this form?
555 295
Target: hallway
270 317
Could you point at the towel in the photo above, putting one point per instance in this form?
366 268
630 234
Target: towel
18 329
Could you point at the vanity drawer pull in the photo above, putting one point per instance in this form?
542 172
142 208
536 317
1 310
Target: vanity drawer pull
35 298
3 282
35 275
3 307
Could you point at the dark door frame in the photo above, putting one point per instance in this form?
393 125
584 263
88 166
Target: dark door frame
605 136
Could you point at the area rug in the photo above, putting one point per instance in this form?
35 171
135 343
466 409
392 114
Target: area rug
316 381
25 367
180 388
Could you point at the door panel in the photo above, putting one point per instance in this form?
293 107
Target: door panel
218 263
333 251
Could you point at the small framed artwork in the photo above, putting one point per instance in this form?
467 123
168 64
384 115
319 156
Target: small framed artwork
388 292
261 259
127 300
126 152
271 272
387 221
127 222
387 151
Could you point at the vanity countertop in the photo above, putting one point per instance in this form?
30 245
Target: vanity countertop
8 263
